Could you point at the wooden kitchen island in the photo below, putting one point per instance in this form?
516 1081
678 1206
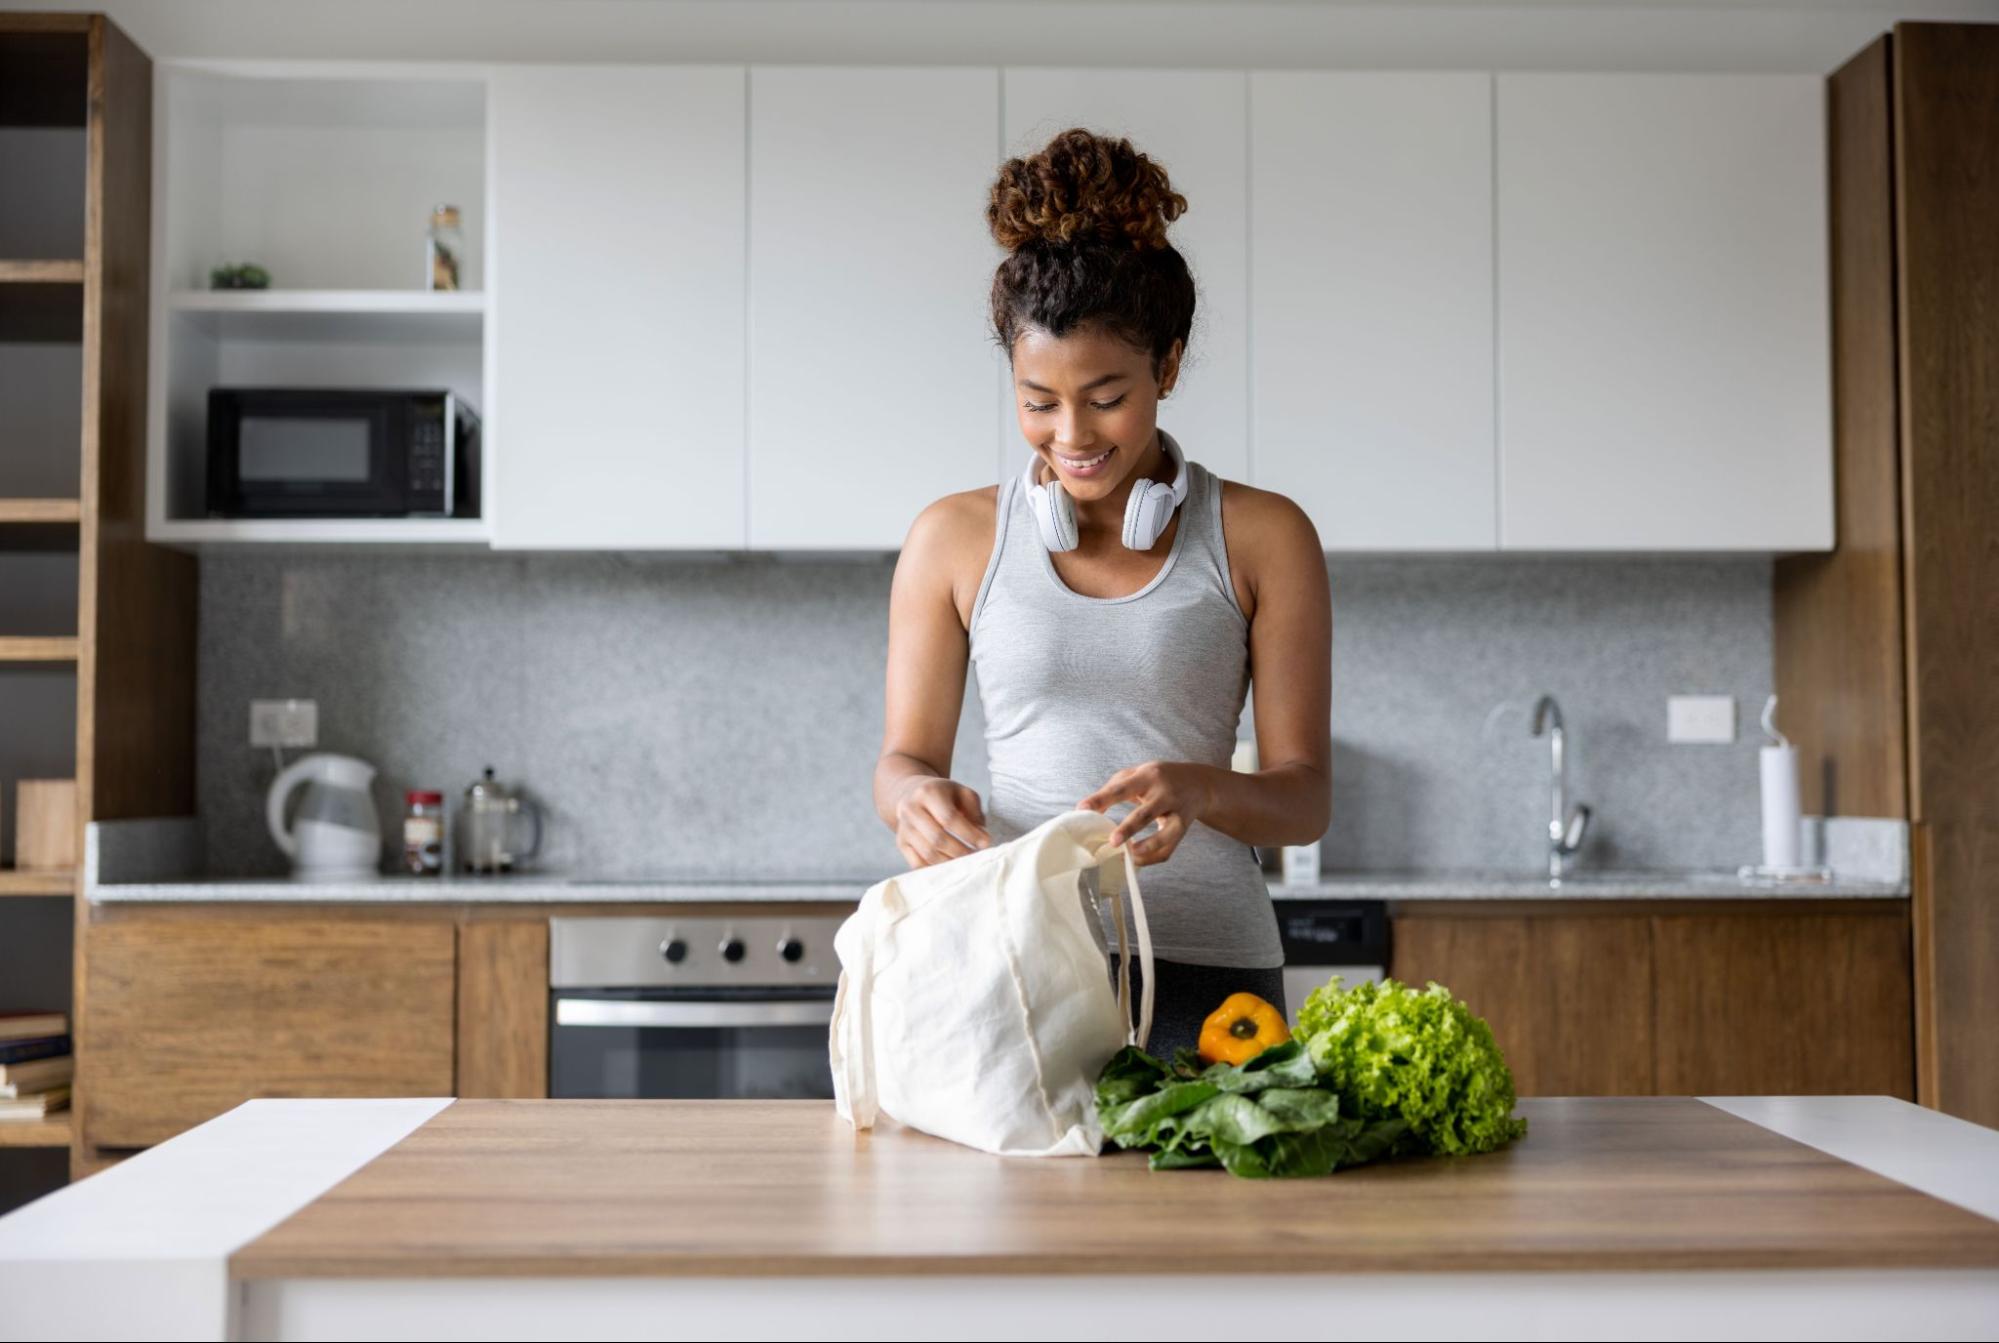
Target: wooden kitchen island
1650 1217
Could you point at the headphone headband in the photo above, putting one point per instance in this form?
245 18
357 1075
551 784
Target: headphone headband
1147 510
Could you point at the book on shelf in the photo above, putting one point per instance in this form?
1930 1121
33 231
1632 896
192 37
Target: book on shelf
32 1025
18 1080
45 1047
27 1109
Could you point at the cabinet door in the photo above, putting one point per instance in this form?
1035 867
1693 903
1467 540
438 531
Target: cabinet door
186 1018
1371 305
615 338
872 371
1664 369
1193 123
1785 1004
1568 997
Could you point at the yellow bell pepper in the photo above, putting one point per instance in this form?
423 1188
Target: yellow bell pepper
1240 1029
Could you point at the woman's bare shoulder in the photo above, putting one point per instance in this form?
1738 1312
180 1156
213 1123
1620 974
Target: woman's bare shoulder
956 522
1267 534
951 540
1265 520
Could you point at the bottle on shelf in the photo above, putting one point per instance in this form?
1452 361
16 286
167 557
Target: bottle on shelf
443 248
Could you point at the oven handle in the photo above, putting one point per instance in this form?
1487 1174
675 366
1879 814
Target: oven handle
622 1012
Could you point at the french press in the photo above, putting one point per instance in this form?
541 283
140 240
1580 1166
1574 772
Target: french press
488 836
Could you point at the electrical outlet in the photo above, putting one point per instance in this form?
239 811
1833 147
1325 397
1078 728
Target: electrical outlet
284 722
1700 718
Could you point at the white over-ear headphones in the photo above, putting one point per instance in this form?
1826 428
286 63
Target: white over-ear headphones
1146 512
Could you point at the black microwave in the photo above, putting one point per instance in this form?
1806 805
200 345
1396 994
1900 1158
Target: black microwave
291 452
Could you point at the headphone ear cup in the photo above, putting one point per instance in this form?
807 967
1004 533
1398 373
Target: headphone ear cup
1055 515
1062 518
1145 514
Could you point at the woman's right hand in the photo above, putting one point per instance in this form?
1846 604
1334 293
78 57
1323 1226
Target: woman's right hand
937 820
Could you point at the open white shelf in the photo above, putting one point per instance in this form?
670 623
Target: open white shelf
325 175
334 314
200 532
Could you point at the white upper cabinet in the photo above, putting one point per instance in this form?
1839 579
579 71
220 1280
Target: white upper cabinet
616 333
1664 370
872 372
1193 123
1371 355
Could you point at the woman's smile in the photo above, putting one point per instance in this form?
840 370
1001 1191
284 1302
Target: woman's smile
1084 468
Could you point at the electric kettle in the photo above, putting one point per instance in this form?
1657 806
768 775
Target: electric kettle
335 835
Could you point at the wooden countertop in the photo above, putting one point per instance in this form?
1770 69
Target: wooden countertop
705 1188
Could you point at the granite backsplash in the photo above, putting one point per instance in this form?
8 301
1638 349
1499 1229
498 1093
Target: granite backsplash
720 719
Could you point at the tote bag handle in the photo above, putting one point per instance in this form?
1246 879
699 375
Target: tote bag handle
1146 978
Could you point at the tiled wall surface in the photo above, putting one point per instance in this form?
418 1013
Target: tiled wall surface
721 719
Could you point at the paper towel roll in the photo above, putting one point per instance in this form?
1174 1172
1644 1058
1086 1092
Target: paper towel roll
1780 806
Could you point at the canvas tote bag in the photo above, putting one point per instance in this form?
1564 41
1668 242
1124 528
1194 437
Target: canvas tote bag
975 1001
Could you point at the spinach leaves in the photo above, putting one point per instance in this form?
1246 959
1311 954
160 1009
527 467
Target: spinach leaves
1266 1118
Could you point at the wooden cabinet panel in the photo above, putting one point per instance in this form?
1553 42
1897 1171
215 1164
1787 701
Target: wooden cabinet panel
503 1009
1193 122
187 1018
1371 296
1774 1004
1664 379
1569 997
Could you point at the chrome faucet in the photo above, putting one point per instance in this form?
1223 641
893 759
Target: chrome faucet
1566 827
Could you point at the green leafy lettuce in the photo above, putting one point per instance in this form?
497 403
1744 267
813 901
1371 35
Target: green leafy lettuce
1268 1117
1389 1051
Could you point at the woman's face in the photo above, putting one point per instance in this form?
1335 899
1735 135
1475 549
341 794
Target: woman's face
1088 405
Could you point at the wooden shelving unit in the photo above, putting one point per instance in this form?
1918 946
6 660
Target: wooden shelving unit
41 272
75 290
55 1131
38 648
36 512
13 881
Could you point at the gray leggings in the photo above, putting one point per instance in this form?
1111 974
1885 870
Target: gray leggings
1186 994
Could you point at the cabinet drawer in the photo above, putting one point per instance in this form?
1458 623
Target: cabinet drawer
188 1018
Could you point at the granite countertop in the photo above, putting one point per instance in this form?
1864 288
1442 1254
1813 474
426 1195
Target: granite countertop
160 861
536 889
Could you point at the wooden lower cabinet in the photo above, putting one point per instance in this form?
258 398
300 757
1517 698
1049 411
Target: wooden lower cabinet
1811 1005
503 1009
1569 999
1735 1000
187 1018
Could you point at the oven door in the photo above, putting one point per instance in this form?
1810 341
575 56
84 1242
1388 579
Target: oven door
691 1044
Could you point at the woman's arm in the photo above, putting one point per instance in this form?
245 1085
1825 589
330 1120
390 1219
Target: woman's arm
1280 581
1288 800
934 818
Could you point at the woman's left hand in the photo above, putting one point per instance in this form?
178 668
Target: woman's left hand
1173 793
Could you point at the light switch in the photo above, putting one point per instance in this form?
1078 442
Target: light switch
284 722
1700 718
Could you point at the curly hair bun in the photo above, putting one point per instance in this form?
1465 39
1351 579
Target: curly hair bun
1082 187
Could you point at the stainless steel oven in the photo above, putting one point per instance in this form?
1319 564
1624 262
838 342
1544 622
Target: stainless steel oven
696 1008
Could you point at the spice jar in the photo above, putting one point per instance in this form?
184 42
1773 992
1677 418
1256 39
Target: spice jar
443 248
423 833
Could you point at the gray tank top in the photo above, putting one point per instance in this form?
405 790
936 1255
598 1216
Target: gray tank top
1076 688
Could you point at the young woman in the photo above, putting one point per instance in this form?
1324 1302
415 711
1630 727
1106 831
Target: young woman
1114 636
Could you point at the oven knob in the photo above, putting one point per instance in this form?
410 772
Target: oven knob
674 950
791 949
732 950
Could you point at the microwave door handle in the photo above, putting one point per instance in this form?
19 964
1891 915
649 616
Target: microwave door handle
709 1014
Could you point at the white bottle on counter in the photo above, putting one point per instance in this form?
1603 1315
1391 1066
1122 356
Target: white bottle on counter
1782 823
1301 864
